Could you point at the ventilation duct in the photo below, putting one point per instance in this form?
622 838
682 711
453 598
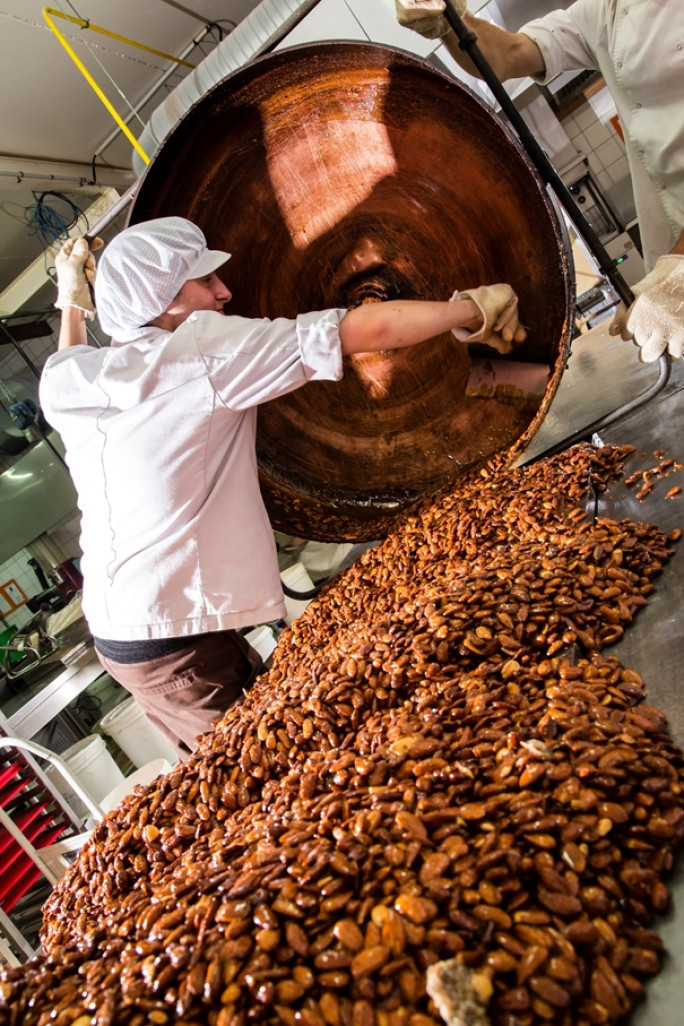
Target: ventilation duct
265 26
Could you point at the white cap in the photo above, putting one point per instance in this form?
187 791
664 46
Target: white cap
143 269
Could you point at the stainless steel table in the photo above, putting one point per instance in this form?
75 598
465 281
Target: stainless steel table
24 716
604 373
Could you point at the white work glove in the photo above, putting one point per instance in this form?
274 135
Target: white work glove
426 17
75 268
498 305
655 320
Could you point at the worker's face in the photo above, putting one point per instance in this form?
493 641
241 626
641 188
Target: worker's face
208 293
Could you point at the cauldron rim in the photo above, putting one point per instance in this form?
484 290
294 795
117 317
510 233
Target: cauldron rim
388 58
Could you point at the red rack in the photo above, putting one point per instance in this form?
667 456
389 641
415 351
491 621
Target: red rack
31 818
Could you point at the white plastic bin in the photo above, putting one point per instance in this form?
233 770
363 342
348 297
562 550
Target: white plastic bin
262 639
296 578
136 735
145 775
93 766
322 558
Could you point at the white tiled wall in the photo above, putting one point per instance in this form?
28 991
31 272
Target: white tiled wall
591 131
17 569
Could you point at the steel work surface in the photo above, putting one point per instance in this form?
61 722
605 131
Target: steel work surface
602 374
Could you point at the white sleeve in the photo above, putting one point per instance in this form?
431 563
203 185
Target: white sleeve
250 361
563 38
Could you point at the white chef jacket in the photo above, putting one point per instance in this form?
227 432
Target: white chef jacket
159 436
638 46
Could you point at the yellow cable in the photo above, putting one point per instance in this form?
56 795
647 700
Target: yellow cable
84 23
47 11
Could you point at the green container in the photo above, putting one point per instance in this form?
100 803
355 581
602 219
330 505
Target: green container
5 638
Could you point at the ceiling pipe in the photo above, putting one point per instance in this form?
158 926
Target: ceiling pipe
124 201
23 168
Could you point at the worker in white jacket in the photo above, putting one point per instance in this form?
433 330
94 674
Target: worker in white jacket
159 431
638 46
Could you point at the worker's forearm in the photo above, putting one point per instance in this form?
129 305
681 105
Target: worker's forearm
678 247
72 331
393 325
510 54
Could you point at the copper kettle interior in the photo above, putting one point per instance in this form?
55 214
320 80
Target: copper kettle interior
342 173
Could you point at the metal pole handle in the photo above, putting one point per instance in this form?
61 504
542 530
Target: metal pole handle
607 264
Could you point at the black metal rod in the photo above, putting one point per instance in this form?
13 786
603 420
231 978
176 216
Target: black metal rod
27 360
607 264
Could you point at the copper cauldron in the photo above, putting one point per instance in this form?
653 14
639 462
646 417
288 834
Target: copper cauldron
341 173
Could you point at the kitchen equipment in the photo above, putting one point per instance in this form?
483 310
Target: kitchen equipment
596 304
38 571
48 559
50 599
46 552
67 578
6 635
342 172
28 647
49 636
68 624
626 252
595 207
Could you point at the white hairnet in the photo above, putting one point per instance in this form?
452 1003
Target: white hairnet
143 269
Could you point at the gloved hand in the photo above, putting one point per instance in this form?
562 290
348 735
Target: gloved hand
426 17
75 267
655 320
499 307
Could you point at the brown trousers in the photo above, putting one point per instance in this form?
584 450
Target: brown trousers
184 692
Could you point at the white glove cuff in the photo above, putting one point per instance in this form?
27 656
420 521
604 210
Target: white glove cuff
78 297
463 334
